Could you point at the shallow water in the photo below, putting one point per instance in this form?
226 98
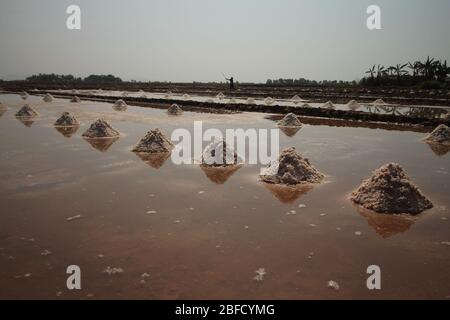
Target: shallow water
424 111
208 235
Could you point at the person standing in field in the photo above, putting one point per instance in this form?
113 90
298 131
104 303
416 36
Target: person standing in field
231 82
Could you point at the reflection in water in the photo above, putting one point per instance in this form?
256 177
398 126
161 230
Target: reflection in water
120 107
102 144
438 148
287 194
289 131
219 175
414 112
2 110
155 160
26 121
387 225
67 131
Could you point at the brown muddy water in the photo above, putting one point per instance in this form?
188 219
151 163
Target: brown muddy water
198 236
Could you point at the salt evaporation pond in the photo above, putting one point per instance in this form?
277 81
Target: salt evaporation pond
65 202
370 107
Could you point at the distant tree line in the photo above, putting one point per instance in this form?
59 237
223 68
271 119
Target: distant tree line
70 79
306 82
430 72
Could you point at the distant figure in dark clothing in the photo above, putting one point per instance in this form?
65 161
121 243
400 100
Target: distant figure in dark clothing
231 83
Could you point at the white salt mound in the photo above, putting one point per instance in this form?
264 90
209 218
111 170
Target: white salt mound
120 104
296 99
154 142
390 190
48 97
218 153
328 105
101 129
353 105
26 111
220 96
24 95
290 120
67 119
186 96
291 169
75 99
379 102
440 135
269 101
174 110
250 101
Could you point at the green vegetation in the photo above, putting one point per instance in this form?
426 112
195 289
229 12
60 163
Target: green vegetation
428 74
70 79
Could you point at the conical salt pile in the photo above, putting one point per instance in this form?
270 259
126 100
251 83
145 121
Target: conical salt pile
291 169
220 96
328 105
48 97
390 190
154 142
296 99
24 95
168 94
100 129
218 153
67 119
186 96
174 110
75 99
26 111
306 105
269 101
353 105
379 102
120 105
440 135
290 120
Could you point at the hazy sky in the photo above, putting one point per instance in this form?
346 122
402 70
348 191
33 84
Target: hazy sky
187 40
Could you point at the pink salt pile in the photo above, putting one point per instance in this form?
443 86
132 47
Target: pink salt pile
390 190
26 112
440 135
290 120
174 110
154 142
291 169
67 119
219 154
101 129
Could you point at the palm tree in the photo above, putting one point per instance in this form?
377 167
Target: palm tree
398 69
442 70
414 67
371 71
428 68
